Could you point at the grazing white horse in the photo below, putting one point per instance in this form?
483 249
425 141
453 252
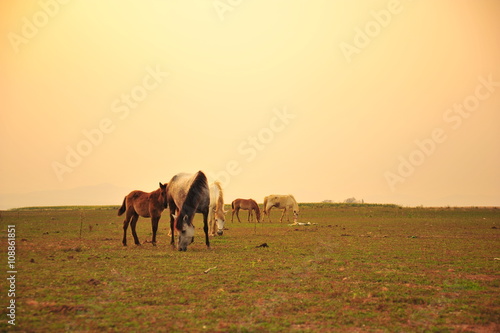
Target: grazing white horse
216 212
187 194
285 202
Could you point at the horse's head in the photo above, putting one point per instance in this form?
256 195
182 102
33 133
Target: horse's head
186 233
163 195
295 215
220 218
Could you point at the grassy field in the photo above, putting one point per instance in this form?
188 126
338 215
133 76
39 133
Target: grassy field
357 268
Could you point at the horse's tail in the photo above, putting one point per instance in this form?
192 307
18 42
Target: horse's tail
232 204
265 205
123 208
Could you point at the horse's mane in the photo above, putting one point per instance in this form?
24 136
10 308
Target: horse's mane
193 197
220 199
155 194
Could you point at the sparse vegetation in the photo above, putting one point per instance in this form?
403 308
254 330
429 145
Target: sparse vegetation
358 267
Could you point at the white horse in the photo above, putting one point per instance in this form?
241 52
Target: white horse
216 212
186 195
285 202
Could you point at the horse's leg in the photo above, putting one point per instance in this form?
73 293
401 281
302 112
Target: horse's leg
172 210
172 220
212 226
238 214
154 226
205 228
269 213
249 215
211 222
232 215
125 226
133 223
283 214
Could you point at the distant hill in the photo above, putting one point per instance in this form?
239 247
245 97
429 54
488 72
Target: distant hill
103 194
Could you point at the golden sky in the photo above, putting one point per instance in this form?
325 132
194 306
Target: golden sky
386 101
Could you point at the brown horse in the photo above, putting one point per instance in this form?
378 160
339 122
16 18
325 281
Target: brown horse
245 204
144 204
188 194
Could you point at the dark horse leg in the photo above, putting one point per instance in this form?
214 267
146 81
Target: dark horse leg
205 228
128 218
125 226
154 226
133 223
173 209
238 214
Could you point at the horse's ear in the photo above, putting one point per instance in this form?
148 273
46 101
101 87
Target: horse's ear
163 186
185 223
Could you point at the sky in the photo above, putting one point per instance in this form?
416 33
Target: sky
386 101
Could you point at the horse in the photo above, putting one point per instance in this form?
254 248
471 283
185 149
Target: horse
284 202
138 203
188 194
216 209
245 204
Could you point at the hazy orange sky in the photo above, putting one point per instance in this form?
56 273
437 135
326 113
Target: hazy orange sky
386 101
